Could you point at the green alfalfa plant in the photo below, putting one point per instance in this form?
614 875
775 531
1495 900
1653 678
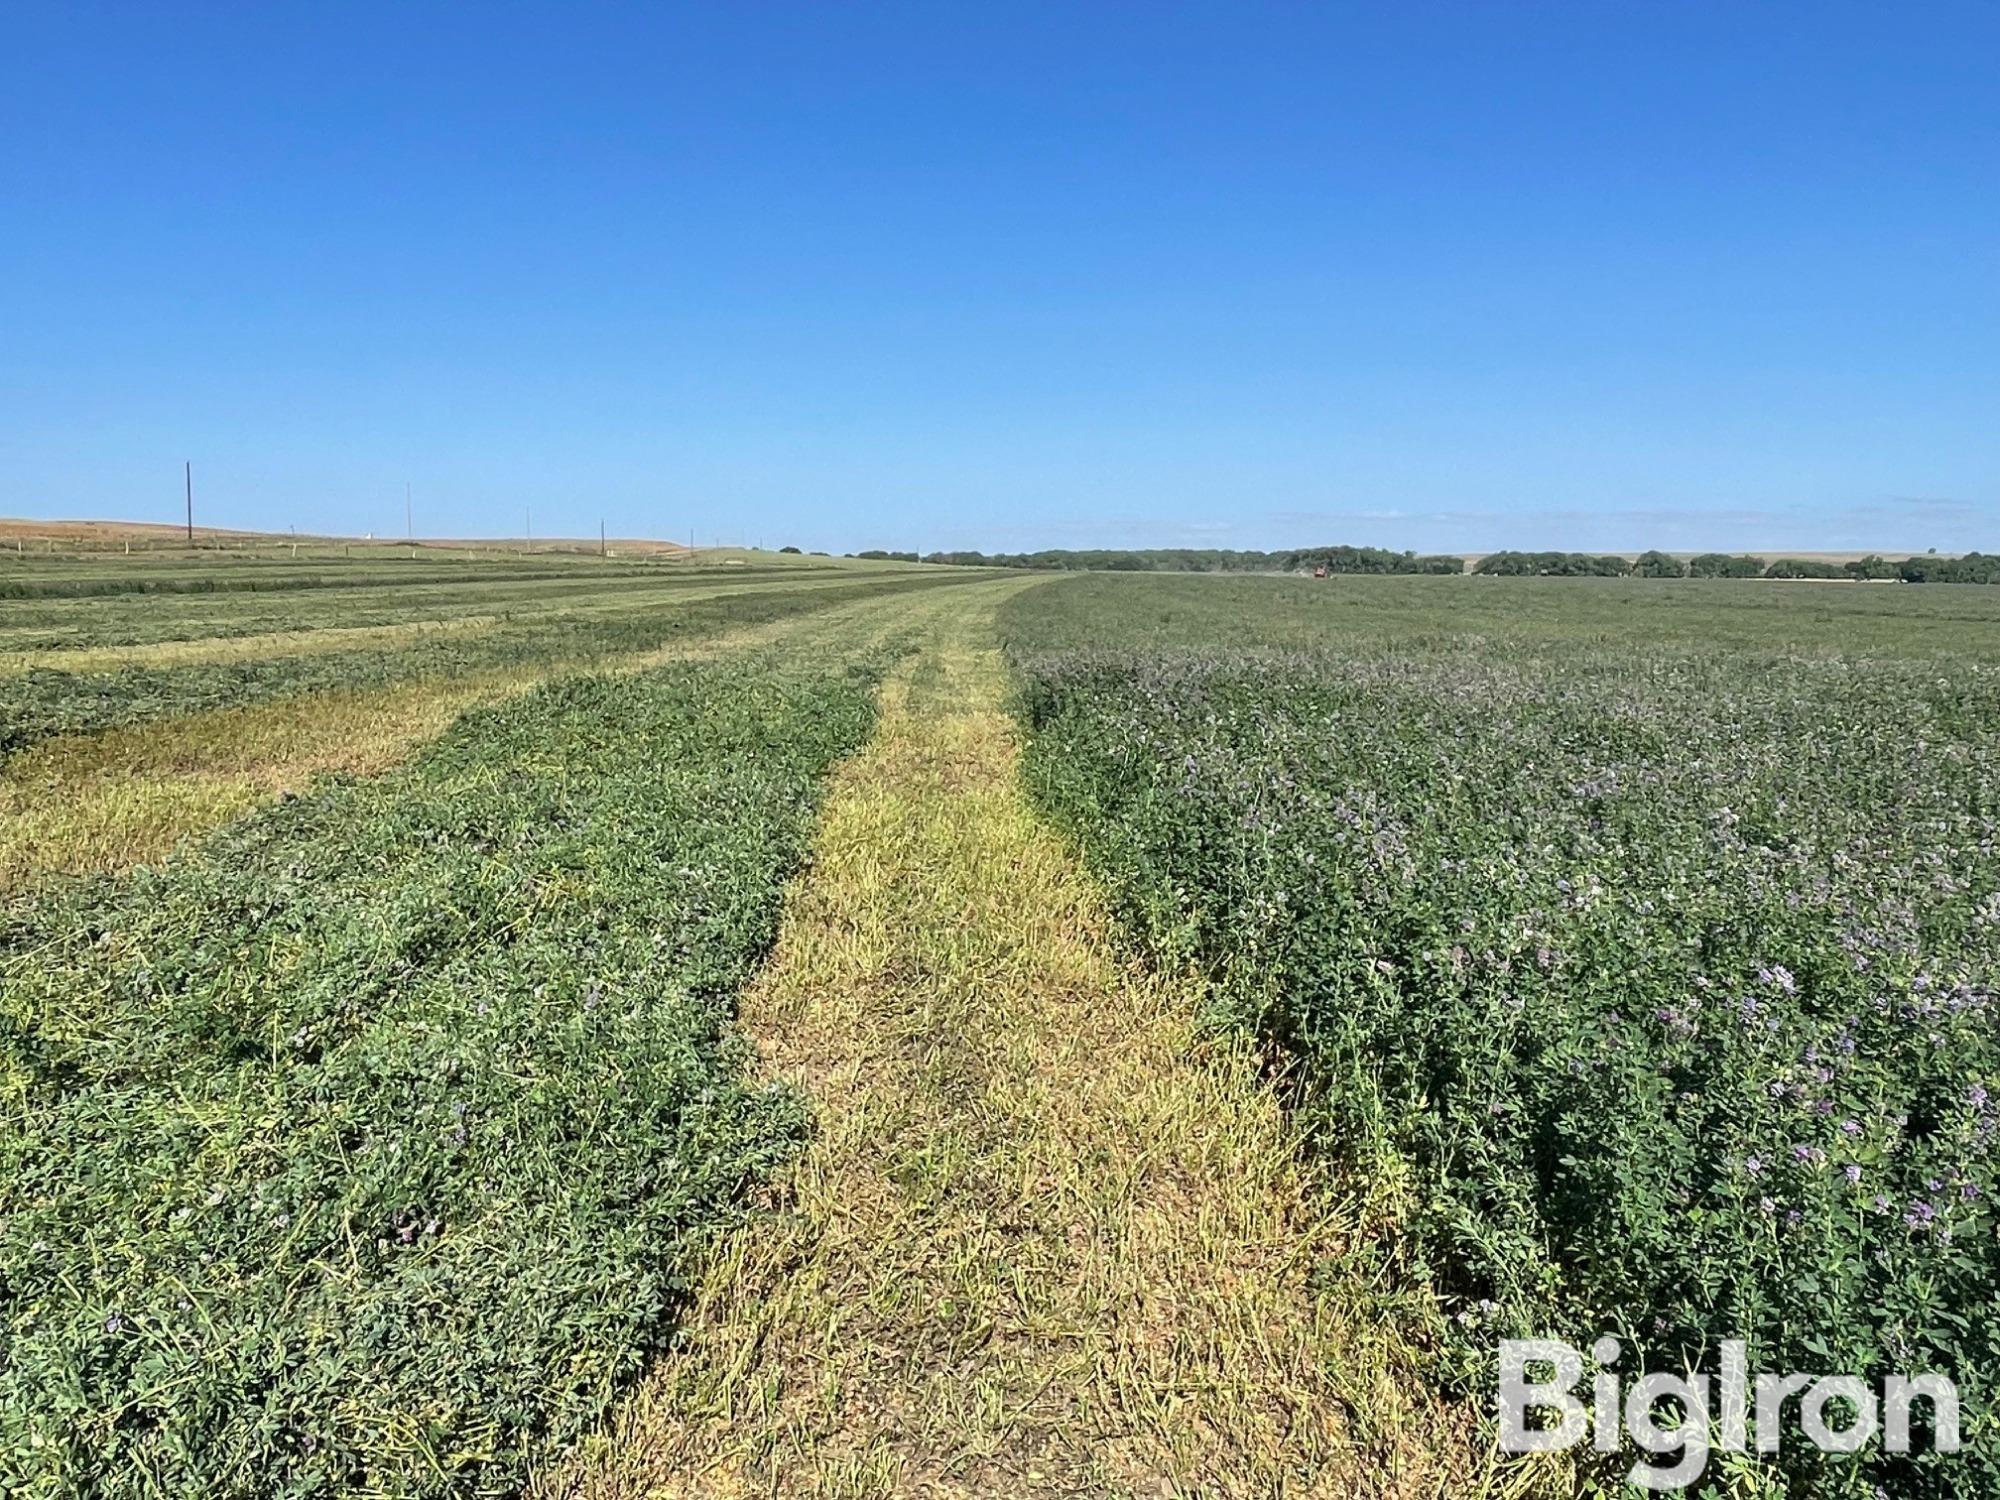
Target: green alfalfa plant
1666 969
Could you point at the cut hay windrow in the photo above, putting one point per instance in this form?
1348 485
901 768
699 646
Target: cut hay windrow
360 1149
378 598
40 703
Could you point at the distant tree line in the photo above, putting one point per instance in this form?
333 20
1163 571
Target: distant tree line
1372 560
1551 565
1200 560
1973 567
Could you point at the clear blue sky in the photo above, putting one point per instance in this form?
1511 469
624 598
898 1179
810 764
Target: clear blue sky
1513 272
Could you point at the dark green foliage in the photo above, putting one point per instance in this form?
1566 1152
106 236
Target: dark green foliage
1367 560
1658 565
1656 955
1723 565
1551 565
362 1149
1973 567
1804 567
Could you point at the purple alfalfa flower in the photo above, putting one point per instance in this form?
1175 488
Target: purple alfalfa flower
1779 975
1850 1128
1808 1155
1768 1205
1793 1216
1754 1165
1883 1203
1968 1191
114 1324
1852 1171
1976 1096
1922 1214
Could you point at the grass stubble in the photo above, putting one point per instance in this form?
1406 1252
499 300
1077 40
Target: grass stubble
1051 1237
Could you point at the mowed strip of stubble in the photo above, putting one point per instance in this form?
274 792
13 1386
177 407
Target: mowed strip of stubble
86 804
95 803
1049 1239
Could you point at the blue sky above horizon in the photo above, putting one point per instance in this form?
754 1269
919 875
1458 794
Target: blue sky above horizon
1444 276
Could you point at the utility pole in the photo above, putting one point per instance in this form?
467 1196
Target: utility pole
409 522
602 550
528 518
189 471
